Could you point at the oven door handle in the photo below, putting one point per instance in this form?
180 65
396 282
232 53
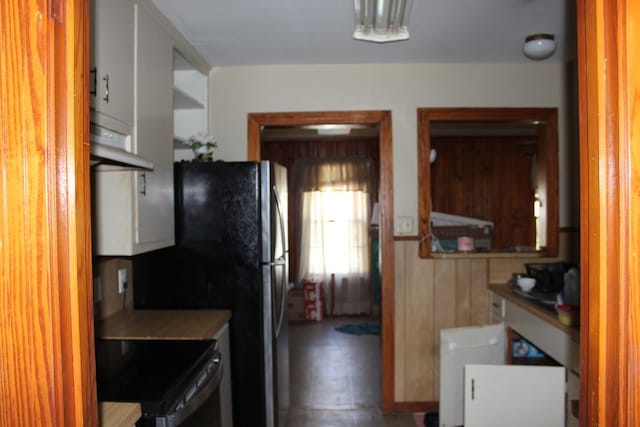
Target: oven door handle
190 405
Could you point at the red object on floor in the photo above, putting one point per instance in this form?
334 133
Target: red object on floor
313 300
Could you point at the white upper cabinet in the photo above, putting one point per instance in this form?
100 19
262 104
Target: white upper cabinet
134 44
134 210
111 64
154 132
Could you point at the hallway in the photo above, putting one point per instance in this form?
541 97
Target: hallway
335 377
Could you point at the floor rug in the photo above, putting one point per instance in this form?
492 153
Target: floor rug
360 328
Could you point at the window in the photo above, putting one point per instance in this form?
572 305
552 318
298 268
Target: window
336 225
335 199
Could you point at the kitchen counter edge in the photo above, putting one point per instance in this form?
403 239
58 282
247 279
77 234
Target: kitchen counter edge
118 414
163 324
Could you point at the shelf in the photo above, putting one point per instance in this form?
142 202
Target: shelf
182 101
464 255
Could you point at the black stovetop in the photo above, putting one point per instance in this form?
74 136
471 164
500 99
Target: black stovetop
151 372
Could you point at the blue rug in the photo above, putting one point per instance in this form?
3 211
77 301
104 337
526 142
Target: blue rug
359 328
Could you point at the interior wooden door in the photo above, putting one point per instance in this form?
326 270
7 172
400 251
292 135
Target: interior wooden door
512 395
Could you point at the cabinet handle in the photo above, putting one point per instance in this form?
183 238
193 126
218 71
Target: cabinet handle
94 90
143 185
106 90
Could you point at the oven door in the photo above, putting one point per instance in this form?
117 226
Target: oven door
174 381
199 400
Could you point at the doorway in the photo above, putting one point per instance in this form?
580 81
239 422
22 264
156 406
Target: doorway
382 120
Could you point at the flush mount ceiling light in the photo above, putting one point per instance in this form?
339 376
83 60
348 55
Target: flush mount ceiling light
539 46
381 21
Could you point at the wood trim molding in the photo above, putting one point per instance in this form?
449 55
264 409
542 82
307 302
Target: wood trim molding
609 83
46 325
383 120
416 406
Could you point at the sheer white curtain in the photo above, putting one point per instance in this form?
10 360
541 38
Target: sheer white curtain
334 231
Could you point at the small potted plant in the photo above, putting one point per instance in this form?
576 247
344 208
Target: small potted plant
202 145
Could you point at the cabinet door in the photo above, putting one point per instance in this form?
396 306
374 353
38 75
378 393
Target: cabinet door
112 55
511 395
458 347
154 134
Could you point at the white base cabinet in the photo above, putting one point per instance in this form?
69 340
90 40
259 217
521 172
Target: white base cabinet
510 395
134 210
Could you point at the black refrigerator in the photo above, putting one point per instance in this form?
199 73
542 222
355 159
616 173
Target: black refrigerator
231 252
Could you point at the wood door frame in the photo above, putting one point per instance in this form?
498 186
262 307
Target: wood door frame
602 90
383 120
46 325
608 84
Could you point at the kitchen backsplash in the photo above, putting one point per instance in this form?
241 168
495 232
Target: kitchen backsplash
108 301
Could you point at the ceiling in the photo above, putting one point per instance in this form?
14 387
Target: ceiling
257 32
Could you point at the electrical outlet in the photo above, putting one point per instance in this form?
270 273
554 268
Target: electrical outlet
122 280
97 289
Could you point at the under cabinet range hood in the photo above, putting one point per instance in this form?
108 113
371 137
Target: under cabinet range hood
110 148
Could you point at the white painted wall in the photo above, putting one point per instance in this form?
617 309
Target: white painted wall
402 88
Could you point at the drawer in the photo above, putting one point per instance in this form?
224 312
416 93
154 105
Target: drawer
554 342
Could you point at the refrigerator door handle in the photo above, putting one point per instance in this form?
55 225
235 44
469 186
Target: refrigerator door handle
279 261
282 260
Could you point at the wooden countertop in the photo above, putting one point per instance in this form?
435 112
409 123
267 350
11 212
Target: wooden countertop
163 324
548 316
118 414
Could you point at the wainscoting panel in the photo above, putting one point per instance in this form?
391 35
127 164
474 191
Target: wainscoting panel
432 294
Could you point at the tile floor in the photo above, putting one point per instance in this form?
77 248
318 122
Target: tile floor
335 377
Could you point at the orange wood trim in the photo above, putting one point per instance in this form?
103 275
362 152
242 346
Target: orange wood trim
548 118
383 120
415 406
405 238
630 79
610 211
253 137
388 260
73 217
46 324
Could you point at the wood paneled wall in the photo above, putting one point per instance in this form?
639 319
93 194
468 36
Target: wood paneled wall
490 178
431 294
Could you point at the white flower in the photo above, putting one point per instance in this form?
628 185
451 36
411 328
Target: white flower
202 139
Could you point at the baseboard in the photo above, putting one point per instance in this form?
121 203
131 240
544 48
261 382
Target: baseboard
415 406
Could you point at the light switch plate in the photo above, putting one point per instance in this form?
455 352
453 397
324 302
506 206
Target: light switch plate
404 225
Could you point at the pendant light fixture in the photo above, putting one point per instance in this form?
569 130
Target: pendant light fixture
381 21
539 46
